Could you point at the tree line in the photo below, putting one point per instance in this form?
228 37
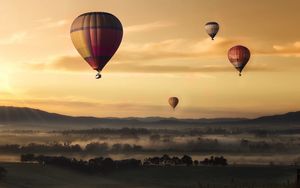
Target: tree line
93 147
105 165
186 160
200 145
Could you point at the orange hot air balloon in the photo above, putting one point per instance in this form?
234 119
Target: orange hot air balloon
239 57
173 101
96 36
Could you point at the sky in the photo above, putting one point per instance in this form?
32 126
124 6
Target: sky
165 52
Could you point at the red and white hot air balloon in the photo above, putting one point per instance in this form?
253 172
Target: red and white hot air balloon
239 57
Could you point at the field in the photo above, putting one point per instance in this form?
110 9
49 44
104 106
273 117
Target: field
35 176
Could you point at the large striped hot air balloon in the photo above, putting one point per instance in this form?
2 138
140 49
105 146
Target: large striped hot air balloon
212 29
173 101
239 57
96 36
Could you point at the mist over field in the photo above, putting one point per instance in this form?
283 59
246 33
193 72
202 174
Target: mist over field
239 146
261 141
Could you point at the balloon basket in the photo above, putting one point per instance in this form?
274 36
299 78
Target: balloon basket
98 76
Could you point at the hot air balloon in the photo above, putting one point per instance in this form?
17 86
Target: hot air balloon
239 57
212 29
173 101
96 36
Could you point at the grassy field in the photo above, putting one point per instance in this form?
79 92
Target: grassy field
38 176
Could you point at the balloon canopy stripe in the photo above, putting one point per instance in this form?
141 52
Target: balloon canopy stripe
96 27
93 62
211 23
96 20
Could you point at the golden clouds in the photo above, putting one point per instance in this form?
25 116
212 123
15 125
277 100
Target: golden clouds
168 56
148 26
291 49
14 38
175 49
48 23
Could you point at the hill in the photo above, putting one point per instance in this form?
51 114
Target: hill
29 117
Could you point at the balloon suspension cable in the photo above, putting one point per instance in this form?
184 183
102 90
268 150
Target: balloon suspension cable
98 75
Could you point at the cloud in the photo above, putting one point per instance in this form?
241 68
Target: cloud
43 20
21 36
173 49
14 38
290 49
47 23
133 57
150 57
69 63
148 26
178 69
76 64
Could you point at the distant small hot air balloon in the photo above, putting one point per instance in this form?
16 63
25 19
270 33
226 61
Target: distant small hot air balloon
212 29
239 57
96 36
173 101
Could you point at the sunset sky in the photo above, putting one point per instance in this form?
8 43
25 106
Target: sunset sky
165 52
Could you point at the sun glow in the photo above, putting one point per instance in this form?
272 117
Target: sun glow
5 86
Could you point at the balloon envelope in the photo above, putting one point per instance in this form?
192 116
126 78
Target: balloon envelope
96 36
212 29
173 101
239 57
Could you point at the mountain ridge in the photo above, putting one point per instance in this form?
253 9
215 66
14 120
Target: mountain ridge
26 115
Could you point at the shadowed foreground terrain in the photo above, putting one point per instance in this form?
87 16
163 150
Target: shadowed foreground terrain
36 175
272 141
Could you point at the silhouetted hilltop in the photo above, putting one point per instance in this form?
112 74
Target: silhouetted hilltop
288 118
28 116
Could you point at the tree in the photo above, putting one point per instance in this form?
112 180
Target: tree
96 147
154 138
3 172
187 160
196 162
27 157
108 164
